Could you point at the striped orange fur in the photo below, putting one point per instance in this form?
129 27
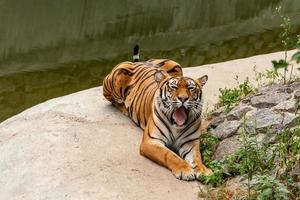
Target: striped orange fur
167 106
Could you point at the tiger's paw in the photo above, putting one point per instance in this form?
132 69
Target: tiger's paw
186 174
202 171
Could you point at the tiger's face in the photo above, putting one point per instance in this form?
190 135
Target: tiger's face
181 99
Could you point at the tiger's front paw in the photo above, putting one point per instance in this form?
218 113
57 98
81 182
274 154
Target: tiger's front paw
186 173
202 170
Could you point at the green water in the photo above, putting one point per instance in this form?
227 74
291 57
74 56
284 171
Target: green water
49 48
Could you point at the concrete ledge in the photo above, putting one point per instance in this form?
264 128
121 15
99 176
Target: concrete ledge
80 147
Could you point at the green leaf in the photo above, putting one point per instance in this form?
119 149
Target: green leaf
296 57
266 194
280 64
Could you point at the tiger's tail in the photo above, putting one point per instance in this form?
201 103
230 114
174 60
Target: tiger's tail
136 55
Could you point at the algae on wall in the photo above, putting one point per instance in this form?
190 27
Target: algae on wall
49 48
46 32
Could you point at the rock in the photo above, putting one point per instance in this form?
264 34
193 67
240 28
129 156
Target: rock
277 88
218 112
239 111
289 119
263 118
269 138
285 89
73 147
227 146
297 94
269 88
216 121
269 100
295 85
286 106
226 129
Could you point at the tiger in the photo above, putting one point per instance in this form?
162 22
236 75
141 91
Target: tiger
167 106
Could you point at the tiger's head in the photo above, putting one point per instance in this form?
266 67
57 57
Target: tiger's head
180 99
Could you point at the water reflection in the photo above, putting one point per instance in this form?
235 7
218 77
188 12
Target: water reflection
51 48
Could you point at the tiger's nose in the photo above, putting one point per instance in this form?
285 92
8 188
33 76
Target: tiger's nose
183 98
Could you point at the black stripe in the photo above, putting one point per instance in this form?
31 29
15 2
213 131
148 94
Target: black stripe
161 132
149 100
174 69
189 134
156 138
161 63
187 152
134 100
125 91
136 104
164 122
188 141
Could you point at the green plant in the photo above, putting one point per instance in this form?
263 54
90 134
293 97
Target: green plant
296 56
272 75
268 188
249 159
286 41
219 175
208 144
256 159
287 149
229 97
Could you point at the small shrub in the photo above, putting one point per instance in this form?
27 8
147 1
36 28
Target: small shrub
219 175
208 144
268 188
229 97
287 149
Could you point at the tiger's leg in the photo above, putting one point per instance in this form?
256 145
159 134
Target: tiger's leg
153 148
116 85
193 156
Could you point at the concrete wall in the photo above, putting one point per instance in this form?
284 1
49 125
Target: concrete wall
49 48
38 34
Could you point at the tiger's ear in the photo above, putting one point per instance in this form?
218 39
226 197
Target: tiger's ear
159 76
202 80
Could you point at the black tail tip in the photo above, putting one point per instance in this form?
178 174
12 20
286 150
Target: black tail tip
136 49
136 56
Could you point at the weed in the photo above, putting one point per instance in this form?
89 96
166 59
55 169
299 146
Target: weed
229 97
256 159
287 149
219 175
208 144
269 188
287 42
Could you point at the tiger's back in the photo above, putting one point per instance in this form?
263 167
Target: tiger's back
131 86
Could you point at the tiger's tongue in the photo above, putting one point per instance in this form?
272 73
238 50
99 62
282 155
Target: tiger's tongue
179 116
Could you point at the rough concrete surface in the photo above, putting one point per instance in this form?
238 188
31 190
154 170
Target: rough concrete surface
80 147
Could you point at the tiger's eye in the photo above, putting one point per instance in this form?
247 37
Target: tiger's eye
192 89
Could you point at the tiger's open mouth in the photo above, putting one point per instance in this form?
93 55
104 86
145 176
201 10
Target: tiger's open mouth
180 116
